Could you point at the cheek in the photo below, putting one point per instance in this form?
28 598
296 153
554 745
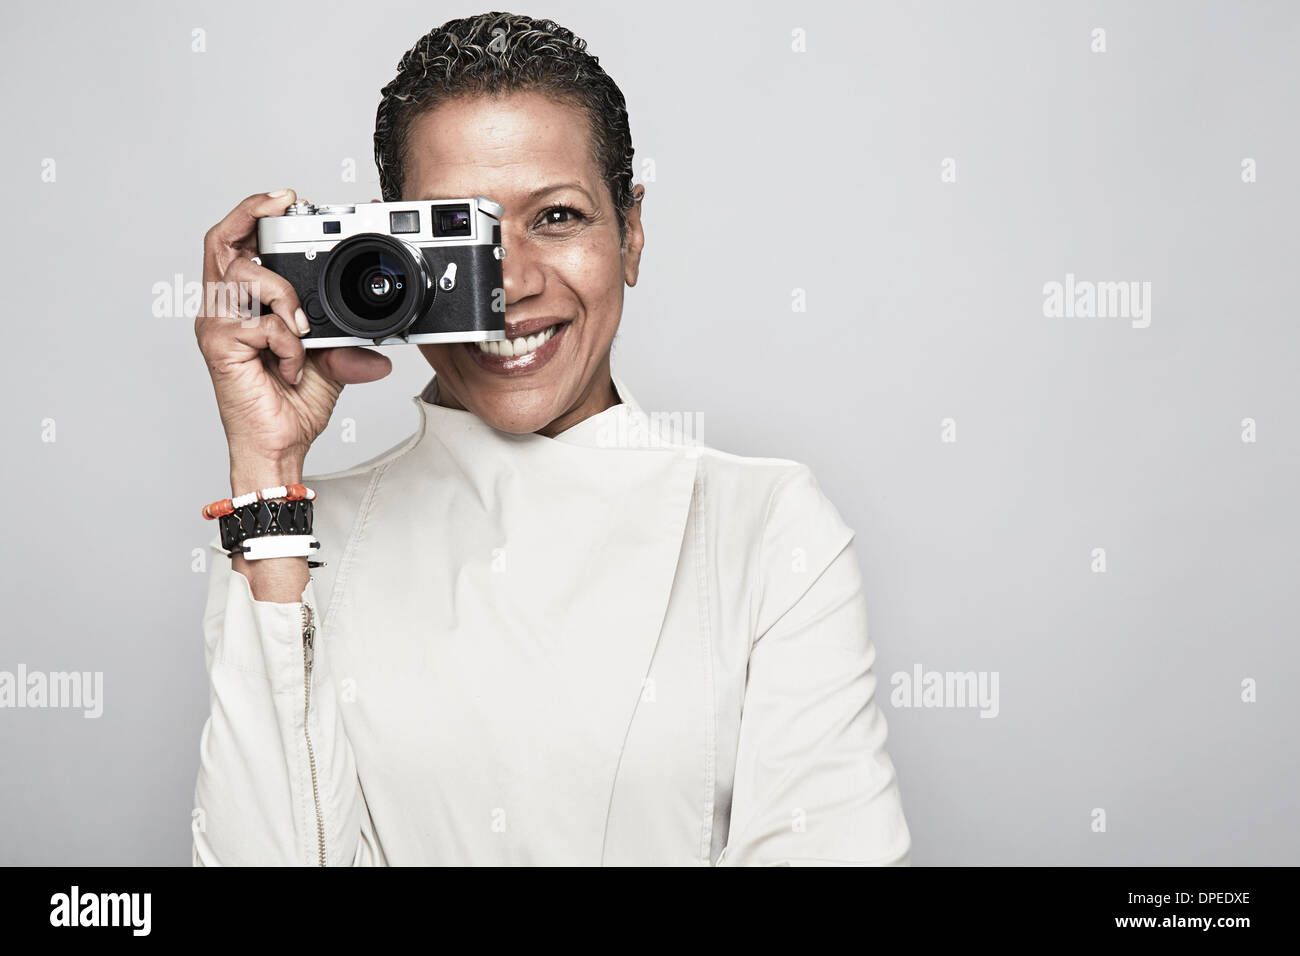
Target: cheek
593 270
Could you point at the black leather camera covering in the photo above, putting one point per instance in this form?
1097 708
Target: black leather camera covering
466 308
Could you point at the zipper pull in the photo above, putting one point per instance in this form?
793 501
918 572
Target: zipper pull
308 635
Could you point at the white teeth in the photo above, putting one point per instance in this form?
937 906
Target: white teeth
513 348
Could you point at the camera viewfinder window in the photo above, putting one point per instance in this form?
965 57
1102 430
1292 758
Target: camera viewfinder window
451 221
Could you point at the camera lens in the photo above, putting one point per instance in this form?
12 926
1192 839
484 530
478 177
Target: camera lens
373 286
379 285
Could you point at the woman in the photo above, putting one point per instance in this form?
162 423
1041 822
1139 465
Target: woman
537 637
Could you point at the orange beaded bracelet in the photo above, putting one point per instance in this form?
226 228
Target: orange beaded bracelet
295 492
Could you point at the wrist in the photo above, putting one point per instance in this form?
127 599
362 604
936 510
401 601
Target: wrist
253 475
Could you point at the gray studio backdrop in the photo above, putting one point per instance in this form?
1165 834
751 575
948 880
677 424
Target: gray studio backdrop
1075 504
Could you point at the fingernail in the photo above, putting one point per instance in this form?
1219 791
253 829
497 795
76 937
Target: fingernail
278 193
298 379
301 318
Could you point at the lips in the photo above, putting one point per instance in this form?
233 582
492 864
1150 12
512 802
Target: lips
529 346
515 330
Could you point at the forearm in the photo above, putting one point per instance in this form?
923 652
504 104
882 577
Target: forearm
277 781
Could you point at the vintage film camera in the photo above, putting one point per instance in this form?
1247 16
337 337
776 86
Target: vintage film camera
390 273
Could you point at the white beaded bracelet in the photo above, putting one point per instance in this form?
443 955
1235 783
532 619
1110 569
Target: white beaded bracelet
279 491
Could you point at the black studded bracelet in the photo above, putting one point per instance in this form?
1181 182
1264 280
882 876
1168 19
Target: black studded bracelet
262 518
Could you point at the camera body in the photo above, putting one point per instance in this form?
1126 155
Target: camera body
392 273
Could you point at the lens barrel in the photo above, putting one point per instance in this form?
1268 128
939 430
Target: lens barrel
374 286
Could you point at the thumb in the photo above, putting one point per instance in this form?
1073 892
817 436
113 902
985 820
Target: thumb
352 365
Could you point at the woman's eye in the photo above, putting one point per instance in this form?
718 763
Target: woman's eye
559 216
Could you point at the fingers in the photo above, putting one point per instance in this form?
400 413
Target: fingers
228 343
236 234
270 333
351 366
230 329
258 284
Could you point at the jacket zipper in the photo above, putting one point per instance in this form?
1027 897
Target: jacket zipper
308 655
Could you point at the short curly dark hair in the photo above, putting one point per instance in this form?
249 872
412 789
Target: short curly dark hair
496 53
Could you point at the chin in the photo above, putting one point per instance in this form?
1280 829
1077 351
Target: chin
514 414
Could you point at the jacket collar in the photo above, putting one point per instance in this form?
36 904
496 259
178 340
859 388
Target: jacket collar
592 432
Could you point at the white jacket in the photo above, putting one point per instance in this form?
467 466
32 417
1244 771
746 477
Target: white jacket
592 649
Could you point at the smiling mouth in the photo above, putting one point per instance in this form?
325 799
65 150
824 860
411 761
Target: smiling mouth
521 346
521 354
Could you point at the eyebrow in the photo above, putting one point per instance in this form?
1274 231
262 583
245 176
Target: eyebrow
545 190
530 198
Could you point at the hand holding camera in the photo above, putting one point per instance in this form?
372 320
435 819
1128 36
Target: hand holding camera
333 277
273 398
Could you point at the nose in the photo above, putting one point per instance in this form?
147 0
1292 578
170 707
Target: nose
521 269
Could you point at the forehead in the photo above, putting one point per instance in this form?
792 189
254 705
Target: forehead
504 147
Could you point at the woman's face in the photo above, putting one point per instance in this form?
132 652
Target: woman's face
565 264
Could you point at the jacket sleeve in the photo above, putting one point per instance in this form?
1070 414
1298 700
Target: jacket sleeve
814 784
277 782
